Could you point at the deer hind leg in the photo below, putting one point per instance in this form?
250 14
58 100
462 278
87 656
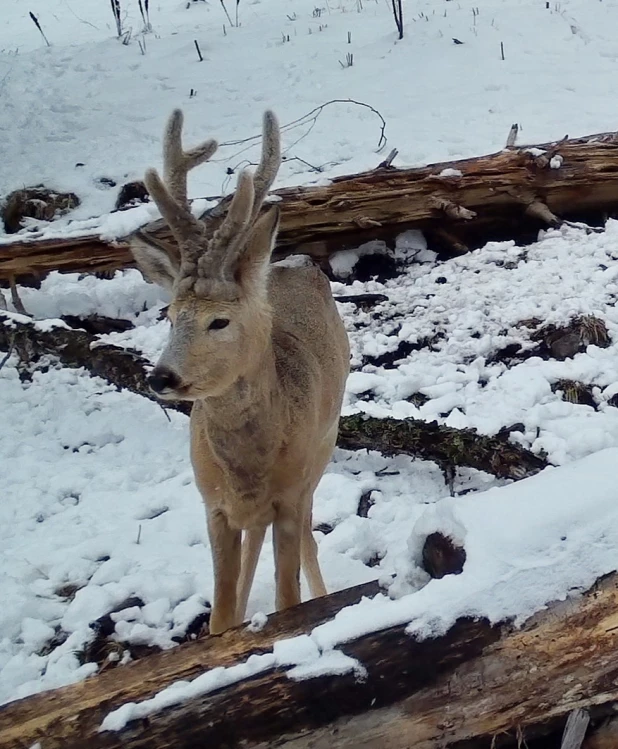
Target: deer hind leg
287 536
225 547
251 547
309 556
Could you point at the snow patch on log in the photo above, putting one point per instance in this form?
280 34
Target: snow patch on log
332 663
450 172
556 162
518 539
258 622
301 652
181 691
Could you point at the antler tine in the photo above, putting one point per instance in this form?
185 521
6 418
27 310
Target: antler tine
170 194
177 215
223 245
178 163
227 241
270 161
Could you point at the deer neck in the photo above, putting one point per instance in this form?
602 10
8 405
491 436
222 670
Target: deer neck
244 416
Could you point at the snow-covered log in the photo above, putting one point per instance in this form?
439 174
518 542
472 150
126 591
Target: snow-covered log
473 685
127 369
460 204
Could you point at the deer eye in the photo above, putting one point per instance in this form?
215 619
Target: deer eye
219 323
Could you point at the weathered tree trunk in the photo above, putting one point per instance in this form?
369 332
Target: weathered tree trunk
468 687
447 446
127 369
509 194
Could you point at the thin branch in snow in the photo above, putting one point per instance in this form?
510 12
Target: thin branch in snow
8 353
116 11
398 14
226 13
17 303
81 20
388 161
309 119
512 136
38 25
143 9
306 163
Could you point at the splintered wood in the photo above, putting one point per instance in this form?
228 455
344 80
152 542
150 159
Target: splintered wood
474 684
459 204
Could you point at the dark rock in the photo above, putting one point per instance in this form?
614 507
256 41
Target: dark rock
504 355
377 265
364 301
365 503
389 359
505 432
132 194
97 324
105 182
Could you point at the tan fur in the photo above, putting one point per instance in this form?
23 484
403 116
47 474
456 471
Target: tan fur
267 387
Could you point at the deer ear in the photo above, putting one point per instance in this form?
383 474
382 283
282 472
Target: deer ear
252 267
158 264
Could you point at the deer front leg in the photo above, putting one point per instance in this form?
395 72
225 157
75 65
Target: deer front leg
287 534
225 547
251 547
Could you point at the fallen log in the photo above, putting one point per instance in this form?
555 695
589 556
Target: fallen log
477 685
127 369
446 446
459 204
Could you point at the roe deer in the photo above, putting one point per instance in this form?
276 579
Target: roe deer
263 354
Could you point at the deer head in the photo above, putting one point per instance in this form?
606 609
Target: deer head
219 311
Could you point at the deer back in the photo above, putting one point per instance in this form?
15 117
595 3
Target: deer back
310 343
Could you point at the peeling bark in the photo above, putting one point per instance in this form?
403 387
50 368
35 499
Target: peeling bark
476 685
506 195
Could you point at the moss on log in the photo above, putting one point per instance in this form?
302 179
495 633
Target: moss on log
446 446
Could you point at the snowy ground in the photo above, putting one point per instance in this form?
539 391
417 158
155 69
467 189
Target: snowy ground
101 506
90 100
98 503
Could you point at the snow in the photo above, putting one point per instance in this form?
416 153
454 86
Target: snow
258 622
449 172
342 263
535 151
102 104
489 293
331 663
556 161
513 568
179 691
99 511
301 652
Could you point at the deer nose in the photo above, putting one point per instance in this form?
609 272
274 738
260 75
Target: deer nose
161 380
